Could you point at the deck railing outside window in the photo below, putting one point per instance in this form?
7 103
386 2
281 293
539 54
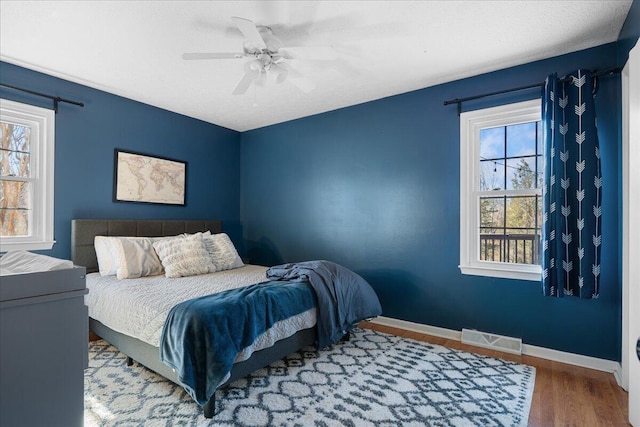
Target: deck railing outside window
512 248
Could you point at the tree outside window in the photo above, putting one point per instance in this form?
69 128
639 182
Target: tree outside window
15 172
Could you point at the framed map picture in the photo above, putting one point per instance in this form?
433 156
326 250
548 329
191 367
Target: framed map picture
142 178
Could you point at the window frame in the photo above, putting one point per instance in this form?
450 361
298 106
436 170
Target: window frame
471 123
42 156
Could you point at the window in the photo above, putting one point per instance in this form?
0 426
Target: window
501 178
26 176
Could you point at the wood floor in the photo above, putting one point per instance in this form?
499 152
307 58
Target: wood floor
564 395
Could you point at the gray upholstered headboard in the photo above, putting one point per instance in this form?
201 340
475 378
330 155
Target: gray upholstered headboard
83 231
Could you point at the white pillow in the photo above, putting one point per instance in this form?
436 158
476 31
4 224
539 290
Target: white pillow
135 257
106 255
126 257
184 256
222 252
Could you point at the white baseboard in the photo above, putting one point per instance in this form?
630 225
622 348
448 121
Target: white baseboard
418 327
530 350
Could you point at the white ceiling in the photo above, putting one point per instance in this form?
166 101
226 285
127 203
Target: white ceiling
134 48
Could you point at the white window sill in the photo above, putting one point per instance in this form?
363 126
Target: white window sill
26 246
505 271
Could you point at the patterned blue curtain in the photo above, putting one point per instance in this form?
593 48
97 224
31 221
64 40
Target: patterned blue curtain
571 228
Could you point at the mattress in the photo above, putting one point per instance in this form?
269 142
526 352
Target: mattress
139 307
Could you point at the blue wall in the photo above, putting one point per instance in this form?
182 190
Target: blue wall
85 142
375 187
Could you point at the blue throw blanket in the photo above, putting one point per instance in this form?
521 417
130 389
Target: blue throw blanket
344 298
203 336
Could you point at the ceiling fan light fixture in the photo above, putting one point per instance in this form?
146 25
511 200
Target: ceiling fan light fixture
253 66
281 74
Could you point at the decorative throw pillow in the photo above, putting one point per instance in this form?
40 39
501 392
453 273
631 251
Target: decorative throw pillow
135 257
205 233
222 252
185 256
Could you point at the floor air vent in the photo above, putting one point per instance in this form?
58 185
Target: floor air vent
492 341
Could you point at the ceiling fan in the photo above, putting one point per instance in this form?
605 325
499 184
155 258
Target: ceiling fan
267 56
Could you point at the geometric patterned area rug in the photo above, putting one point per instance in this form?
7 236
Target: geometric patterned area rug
375 379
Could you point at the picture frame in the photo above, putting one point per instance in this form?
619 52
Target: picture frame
144 178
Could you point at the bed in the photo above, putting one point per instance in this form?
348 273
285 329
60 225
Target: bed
140 343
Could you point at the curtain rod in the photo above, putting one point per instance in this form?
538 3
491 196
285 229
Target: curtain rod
56 99
459 101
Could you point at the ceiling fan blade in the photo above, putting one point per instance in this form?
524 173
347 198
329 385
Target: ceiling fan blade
250 32
216 55
317 53
244 84
303 83
291 70
251 72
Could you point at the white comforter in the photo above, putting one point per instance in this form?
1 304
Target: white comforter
139 307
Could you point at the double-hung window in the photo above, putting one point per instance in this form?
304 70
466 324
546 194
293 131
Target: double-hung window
501 178
26 176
